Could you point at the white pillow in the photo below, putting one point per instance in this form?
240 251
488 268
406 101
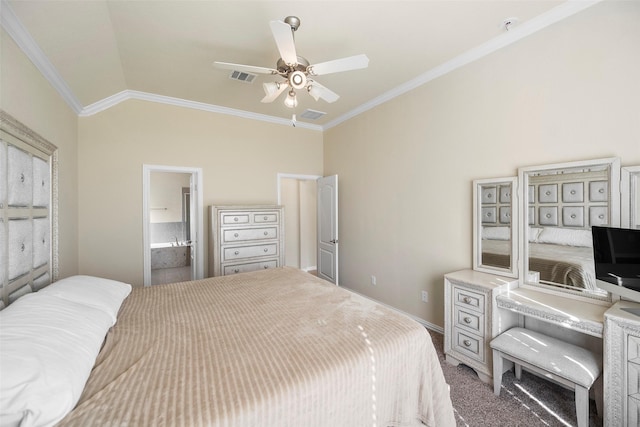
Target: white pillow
534 233
565 236
49 346
496 233
104 294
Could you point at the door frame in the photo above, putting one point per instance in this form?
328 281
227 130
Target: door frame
299 177
196 216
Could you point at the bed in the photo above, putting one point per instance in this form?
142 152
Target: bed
278 347
559 255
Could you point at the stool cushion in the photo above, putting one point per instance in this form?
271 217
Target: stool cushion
565 360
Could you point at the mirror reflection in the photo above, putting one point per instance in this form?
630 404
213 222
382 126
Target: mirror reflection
493 226
630 197
562 203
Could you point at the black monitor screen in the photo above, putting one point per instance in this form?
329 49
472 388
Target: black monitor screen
616 253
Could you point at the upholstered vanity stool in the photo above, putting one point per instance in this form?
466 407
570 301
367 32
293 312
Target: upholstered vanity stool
568 364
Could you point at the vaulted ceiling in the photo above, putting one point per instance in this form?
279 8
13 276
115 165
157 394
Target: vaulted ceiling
105 51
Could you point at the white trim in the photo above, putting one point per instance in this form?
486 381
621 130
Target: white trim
281 176
518 32
23 39
119 97
30 48
423 322
146 181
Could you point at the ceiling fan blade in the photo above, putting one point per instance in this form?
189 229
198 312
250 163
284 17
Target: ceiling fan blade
345 64
271 93
245 68
283 35
316 90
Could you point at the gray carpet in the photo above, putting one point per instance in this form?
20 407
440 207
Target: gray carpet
529 402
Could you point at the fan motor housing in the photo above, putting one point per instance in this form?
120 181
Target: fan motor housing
302 65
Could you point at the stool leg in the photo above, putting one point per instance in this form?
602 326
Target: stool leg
597 391
582 406
497 372
518 371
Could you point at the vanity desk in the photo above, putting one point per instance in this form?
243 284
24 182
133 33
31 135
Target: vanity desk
556 310
480 306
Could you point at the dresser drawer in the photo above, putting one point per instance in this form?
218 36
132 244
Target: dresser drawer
469 299
252 266
265 218
242 252
235 218
241 235
469 320
468 344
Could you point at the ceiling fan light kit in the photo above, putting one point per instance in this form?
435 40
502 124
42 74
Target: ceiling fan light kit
296 69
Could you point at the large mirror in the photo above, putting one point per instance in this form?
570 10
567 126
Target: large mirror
630 203
495 232
559 204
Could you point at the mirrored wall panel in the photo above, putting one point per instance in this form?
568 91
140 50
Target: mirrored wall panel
630 202
560 203
495 236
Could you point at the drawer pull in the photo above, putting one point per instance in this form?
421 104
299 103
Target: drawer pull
266 249
235 219
237 252
266 233
266 218
466 300
466 343
237 270
467 320
235 235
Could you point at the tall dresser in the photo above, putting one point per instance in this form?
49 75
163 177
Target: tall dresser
245 238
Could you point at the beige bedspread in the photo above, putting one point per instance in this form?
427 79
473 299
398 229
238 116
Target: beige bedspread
271 348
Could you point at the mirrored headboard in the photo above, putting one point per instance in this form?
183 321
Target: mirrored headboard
28 210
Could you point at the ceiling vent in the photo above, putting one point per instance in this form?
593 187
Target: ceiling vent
242 76
311 114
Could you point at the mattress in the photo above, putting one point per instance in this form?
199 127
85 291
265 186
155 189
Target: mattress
278 347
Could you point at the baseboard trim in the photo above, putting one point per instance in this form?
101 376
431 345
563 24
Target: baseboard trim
423 322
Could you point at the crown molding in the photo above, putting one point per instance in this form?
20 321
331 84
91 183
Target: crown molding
518 32
23 39
125 95
28 45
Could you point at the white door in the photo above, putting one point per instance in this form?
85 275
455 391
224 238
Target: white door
328 228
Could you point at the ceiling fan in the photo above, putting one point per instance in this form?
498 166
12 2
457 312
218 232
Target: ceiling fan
298 74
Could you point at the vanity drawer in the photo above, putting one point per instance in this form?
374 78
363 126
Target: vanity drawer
265 218
242 252
235 218
469 299
252 266
468 344
467 319
245 234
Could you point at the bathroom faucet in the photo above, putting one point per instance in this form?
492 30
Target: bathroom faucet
177 244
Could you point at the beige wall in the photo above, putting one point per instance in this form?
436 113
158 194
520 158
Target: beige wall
165 195
298 196
240 159
569 92
28 97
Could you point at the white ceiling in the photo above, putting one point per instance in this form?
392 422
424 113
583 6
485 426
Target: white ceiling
166 48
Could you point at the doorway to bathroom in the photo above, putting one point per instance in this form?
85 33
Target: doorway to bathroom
298 195
173 247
